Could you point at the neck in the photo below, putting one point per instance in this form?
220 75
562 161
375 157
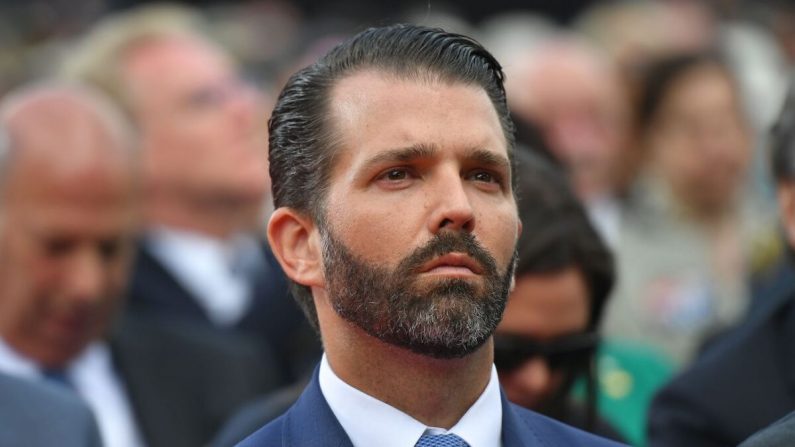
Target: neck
436 392
216 218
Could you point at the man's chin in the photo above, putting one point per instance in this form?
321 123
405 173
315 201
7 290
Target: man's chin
438 348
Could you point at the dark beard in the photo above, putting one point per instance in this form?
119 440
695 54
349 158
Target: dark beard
449 318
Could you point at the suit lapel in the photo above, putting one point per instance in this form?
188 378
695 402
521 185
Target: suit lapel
127 362
311 422
515 433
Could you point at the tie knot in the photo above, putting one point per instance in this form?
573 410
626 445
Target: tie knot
448 440
57 376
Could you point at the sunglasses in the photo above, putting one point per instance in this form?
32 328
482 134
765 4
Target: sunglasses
572 352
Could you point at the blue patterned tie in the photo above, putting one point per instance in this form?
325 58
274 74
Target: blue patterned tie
449 440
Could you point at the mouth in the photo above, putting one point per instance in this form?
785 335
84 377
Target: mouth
452 264
70 324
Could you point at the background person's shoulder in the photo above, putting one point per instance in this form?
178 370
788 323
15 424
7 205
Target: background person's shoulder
38 414
532 426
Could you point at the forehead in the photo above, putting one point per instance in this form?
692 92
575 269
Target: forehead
701 86
169 66
61 125
82 195
547 305
372 110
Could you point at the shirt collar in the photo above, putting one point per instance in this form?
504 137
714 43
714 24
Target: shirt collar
205 267
368 421
16 364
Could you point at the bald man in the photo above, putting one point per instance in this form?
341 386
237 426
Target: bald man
68 220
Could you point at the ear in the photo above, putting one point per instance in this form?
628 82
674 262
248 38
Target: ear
786 208
295 242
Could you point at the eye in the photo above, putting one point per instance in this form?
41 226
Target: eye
396 174
58 247
109 249
396 177
487 179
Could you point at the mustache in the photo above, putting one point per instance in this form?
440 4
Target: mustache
449 242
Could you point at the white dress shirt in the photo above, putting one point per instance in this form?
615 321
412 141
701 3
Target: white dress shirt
368 421
605 215
205 267
93 377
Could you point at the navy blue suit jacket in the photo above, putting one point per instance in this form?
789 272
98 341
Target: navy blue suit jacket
743 383
310 422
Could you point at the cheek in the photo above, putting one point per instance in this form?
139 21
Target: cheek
118 277
27 299
510 382
378 230
498 232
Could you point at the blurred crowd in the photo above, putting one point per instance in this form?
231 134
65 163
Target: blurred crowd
653 285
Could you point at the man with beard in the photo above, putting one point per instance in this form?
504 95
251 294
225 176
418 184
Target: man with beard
391 163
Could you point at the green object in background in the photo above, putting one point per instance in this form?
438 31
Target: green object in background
629 376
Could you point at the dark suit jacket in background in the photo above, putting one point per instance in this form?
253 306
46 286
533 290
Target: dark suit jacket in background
743 383
255 414
42 415
274 318
310 422
184 381
780 434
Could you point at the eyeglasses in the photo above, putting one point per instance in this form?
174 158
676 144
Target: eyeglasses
567 353
214 95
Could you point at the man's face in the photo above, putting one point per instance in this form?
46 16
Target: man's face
203 128
420 220
581 112
65 241
542 308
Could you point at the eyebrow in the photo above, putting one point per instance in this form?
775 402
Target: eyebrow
406 154
425 151
490 159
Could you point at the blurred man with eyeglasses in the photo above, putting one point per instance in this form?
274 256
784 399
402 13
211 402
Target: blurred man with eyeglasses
203 140
548 336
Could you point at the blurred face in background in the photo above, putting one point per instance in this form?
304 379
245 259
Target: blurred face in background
549 312
203 128
699 141
67 223
580 108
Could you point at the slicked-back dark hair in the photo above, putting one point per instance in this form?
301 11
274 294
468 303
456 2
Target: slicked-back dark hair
303 144
557 233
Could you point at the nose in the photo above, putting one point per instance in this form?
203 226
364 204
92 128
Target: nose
86 276
245 108
453 210
536 377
